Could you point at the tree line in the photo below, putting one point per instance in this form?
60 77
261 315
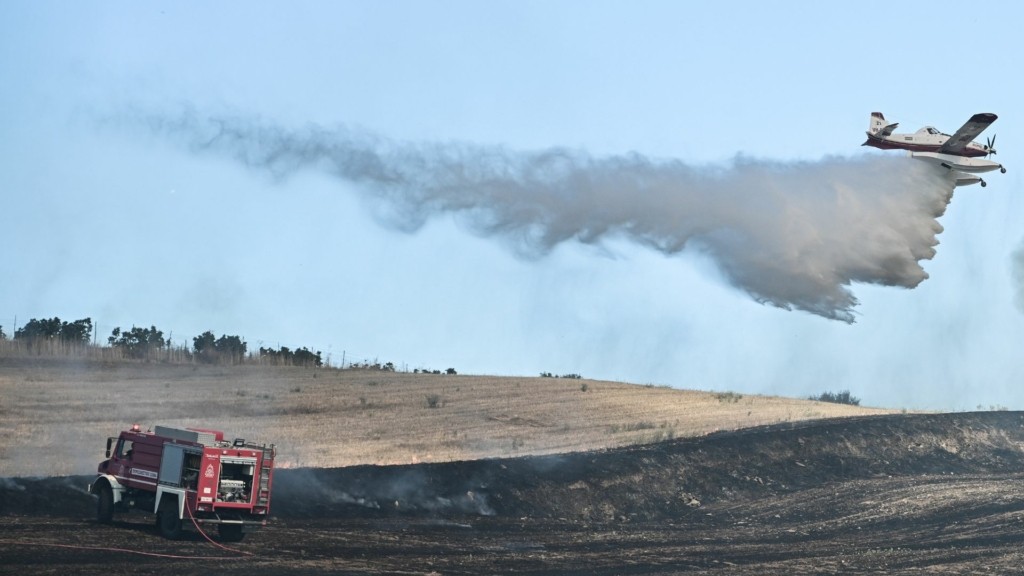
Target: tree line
52 335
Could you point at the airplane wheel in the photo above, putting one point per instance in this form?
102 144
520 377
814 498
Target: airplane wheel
1002 170
983 184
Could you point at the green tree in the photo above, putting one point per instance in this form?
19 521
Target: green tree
204 347
45 329
282 357
286 357
79 331
54 330
303 357
137 342
209 348
231 348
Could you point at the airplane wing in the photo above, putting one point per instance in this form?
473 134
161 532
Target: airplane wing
968 132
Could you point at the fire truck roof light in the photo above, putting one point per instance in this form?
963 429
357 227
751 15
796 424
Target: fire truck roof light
135 428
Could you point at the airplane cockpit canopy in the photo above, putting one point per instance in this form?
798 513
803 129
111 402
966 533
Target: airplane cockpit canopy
930 130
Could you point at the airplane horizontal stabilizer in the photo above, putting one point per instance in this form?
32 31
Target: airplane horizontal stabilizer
884 132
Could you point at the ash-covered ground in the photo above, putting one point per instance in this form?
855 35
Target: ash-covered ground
921 494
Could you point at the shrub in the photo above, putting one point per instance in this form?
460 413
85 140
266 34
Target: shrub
728 397
843 397
287 357
569 376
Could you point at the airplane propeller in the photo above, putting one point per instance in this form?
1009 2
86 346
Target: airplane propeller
990 145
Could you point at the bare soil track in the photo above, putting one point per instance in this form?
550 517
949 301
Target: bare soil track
895 494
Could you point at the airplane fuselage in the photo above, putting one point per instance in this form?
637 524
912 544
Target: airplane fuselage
926 139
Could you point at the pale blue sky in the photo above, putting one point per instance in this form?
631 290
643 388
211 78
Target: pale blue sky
128 228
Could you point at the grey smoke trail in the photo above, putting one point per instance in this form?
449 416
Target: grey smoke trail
1018 276
794 235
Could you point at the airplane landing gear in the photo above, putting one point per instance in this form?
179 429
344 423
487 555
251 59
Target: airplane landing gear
1002 170
983 184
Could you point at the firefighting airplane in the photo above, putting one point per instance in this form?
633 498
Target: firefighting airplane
957 153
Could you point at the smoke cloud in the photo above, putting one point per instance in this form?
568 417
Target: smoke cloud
795 235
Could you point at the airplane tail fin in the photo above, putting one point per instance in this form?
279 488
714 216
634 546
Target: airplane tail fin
876 123
878 127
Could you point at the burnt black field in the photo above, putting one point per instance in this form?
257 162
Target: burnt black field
913 494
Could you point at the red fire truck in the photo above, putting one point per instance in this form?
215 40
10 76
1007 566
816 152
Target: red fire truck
186 476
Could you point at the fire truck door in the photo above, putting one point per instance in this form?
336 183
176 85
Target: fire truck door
171 464
121 459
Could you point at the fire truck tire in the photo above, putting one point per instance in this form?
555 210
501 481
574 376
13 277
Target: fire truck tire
167 519
105 505
230 532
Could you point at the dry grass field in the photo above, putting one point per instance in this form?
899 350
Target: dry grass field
55 413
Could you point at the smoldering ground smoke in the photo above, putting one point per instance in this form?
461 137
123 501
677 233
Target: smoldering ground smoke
790 234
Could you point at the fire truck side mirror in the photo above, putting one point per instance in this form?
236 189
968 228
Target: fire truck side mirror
110 442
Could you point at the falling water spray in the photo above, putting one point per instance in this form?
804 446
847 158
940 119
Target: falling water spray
796 235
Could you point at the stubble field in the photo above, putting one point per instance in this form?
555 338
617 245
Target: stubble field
326 418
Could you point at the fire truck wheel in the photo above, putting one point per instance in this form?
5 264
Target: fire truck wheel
230 533
105 505
167 519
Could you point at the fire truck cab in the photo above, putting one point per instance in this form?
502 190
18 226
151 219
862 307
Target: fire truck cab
186 477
